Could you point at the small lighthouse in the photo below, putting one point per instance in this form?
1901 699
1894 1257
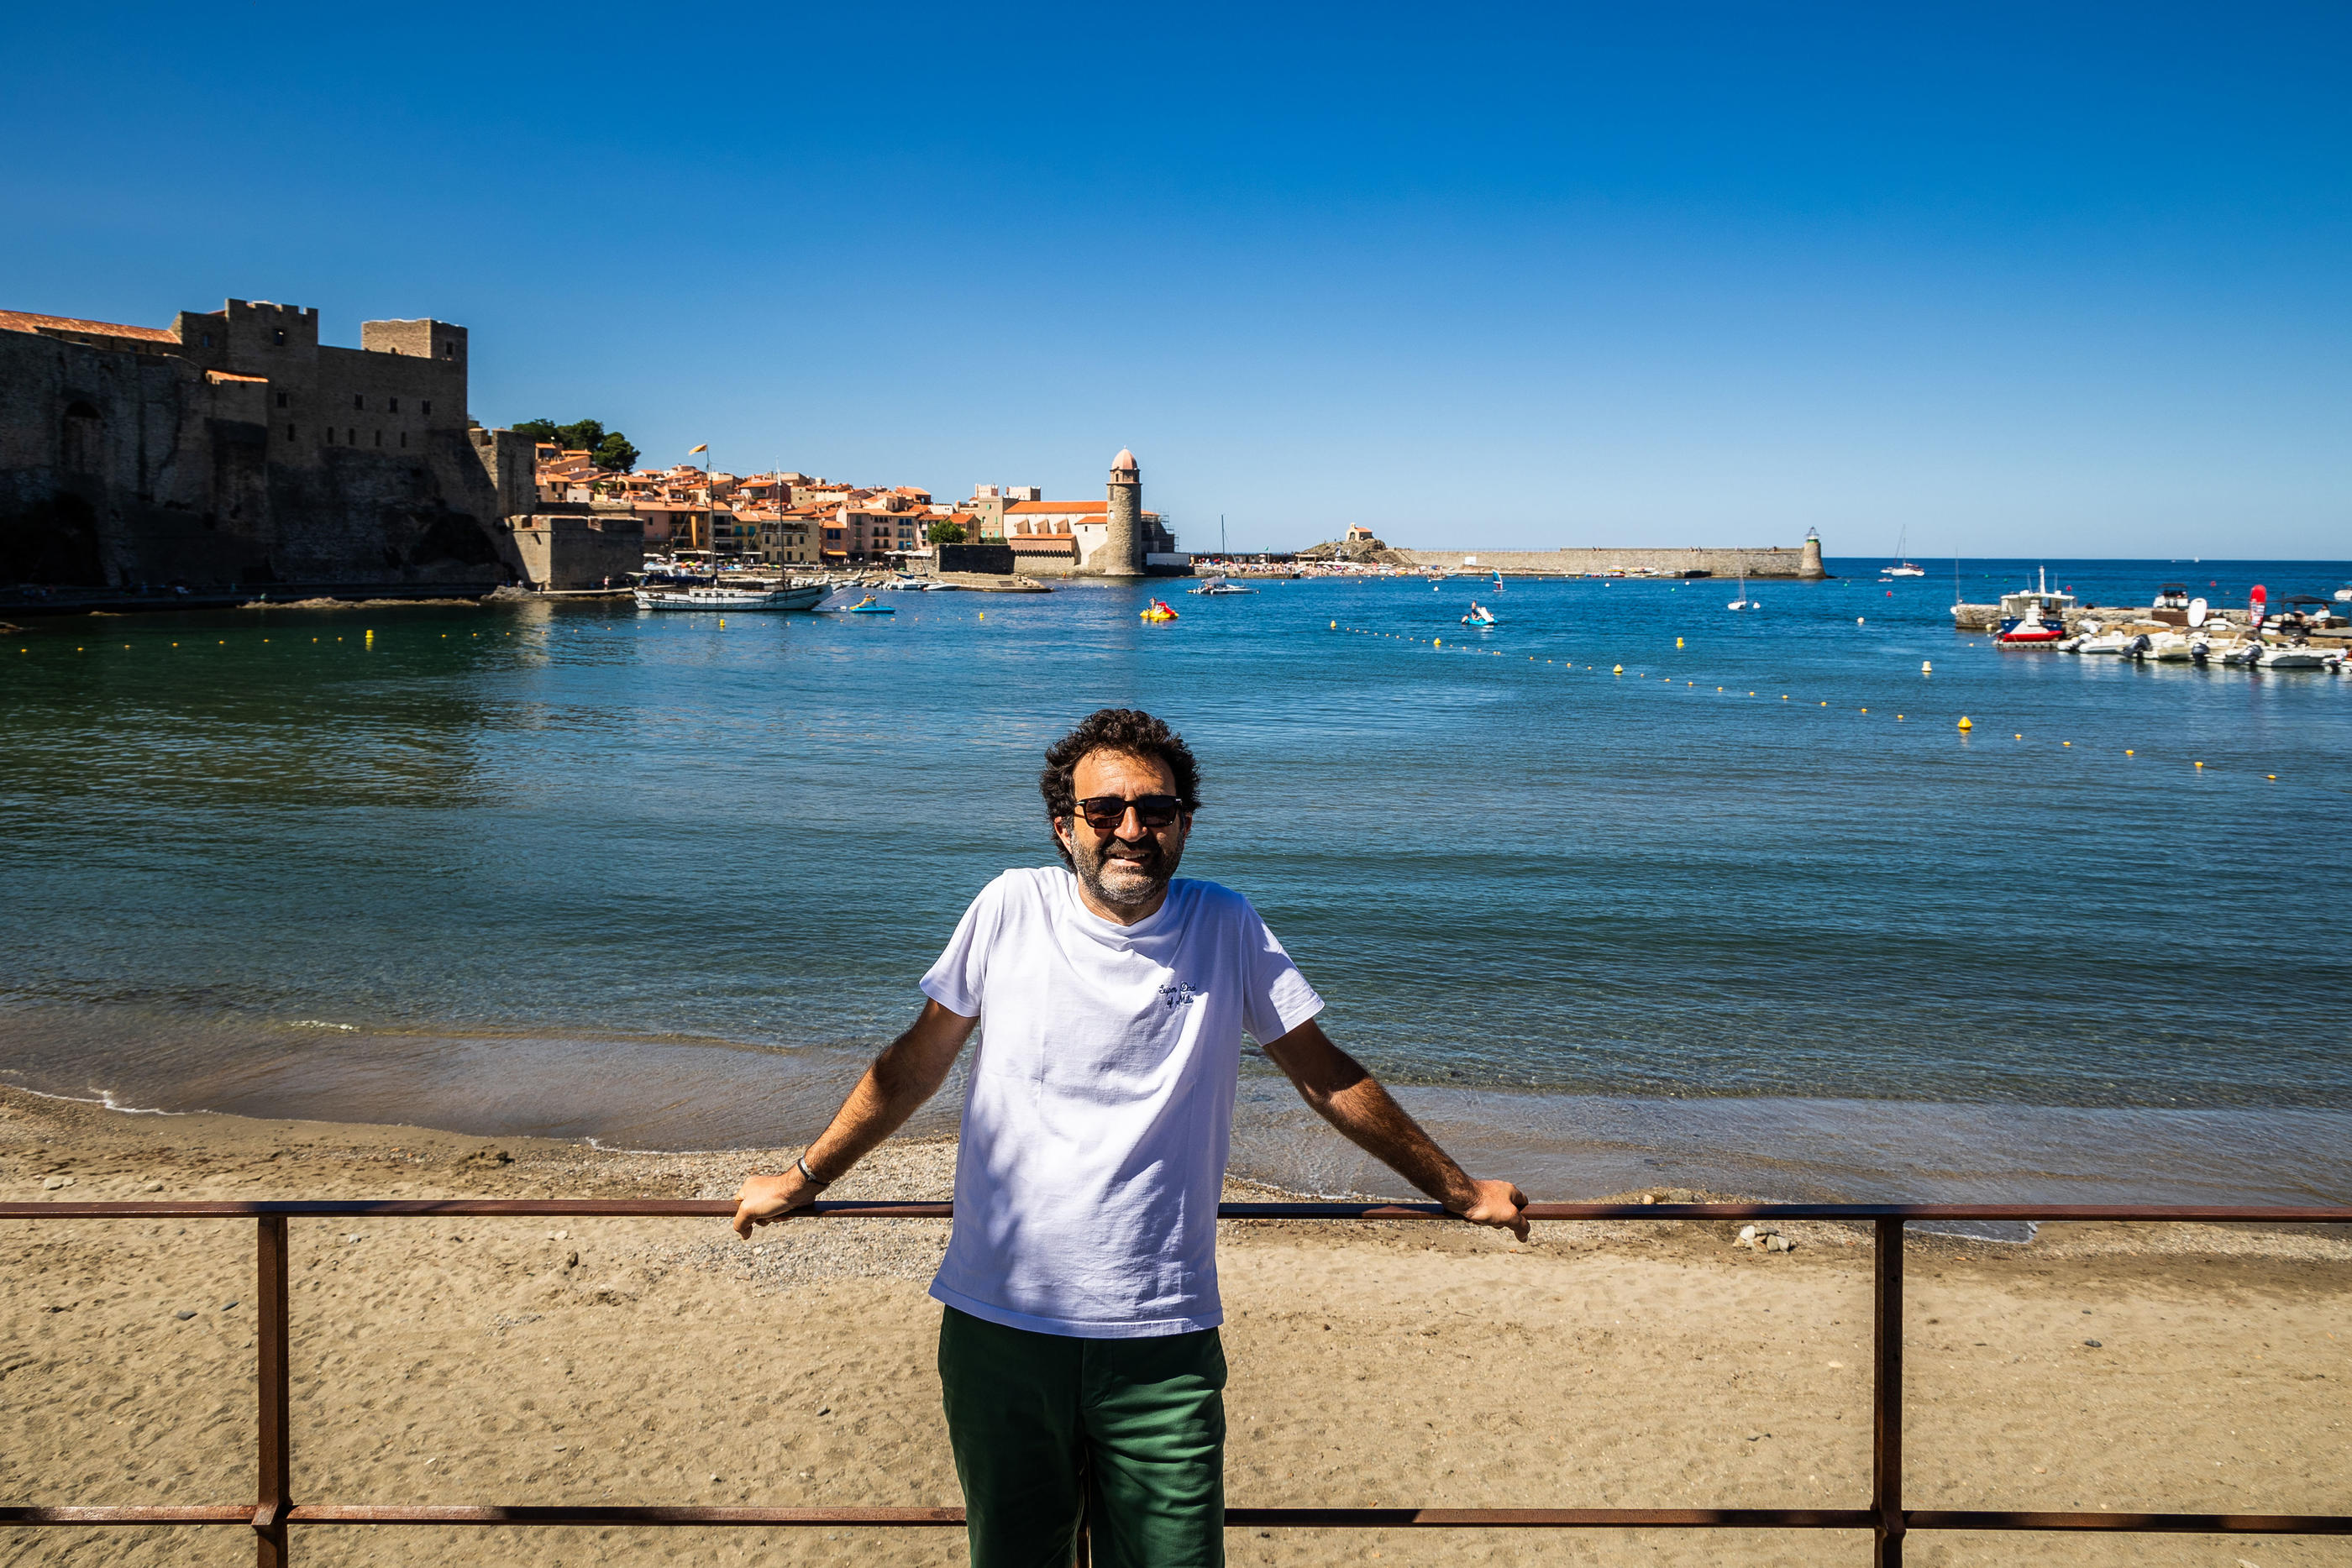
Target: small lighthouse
1121 554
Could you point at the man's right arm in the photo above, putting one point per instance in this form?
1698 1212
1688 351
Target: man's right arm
907 1072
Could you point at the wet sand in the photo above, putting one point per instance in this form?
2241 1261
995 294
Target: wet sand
659 1361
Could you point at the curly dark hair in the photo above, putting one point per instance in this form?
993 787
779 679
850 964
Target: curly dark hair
1122 729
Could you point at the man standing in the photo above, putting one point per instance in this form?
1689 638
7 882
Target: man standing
1079 1352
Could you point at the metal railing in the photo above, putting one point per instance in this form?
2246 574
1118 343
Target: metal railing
274 1509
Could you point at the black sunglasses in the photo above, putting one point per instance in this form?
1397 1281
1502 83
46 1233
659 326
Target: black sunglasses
1103 813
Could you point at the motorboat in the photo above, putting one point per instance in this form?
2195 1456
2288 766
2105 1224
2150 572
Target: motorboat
2172 596
1157 610
2035 616
2244 655
2103 643
1219 585
869 605
903 585
2291 658
788 595
2306 611
937 586
2174 648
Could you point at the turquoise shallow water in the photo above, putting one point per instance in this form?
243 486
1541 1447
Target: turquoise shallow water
584 870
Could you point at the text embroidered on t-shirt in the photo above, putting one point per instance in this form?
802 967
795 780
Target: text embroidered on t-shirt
1177 995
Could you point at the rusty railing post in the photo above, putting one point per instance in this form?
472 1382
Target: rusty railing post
270 1499
1886 1395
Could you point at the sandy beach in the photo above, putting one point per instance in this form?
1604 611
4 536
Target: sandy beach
649 1361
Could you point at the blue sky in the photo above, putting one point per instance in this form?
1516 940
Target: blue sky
2022 280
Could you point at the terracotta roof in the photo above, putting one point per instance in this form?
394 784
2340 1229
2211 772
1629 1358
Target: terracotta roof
216 377
26 321
1047 507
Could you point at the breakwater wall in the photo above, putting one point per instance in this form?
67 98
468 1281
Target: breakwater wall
1804 563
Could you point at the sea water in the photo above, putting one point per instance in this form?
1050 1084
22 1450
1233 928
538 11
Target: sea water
1631 889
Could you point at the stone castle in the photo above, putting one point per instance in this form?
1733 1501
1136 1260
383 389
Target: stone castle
235 451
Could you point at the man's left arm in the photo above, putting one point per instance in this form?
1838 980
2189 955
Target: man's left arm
1348 1097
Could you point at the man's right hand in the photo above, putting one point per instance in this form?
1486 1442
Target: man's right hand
1496 1203
762 1198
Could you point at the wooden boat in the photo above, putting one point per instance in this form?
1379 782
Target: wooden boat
733 600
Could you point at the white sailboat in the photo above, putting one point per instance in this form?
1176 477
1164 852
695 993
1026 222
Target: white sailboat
1743 601
1903 566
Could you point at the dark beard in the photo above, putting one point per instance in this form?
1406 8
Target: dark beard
1148 879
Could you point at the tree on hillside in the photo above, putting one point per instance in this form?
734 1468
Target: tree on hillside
606 449
947 533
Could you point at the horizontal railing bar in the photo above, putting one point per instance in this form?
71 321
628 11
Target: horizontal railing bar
2166 1523
134 1513
659 1514
694 1207
137 1513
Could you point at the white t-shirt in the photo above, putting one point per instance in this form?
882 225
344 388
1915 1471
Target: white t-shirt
1099 1110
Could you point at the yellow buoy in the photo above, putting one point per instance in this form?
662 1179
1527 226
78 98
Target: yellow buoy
2129 752
2200 765
1678 642
1335 625
983 615
1926 667
1965 723
1437 642
2066 742
2271 777
1618 670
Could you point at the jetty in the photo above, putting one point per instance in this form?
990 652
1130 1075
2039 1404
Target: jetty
1802 563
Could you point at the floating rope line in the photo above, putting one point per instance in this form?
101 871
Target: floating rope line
1965 723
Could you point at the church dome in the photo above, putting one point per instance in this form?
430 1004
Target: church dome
1125 459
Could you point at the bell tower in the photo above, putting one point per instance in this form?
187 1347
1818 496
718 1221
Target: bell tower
1121 554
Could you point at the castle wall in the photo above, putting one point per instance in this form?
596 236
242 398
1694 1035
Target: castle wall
129 462
568 551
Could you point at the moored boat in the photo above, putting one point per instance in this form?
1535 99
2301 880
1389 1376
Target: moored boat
736 601
2034 617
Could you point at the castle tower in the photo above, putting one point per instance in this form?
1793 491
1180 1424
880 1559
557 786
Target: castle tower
1121 554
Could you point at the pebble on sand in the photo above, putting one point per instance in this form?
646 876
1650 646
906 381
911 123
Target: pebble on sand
184 1314
55 1183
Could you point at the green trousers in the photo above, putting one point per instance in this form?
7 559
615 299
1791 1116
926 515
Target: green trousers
1125 1436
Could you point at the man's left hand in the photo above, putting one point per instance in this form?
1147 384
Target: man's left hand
762 1198
1496 1203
